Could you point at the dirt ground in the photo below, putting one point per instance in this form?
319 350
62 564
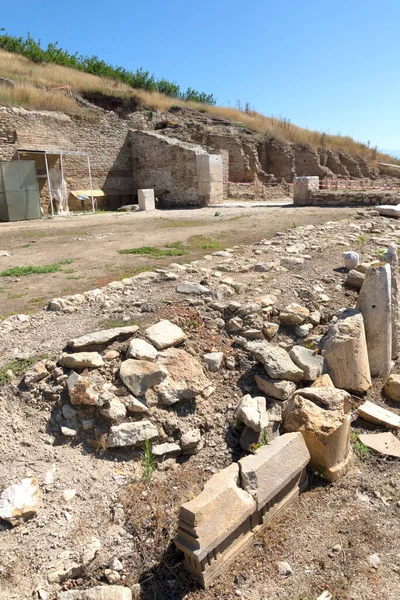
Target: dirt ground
93 241
327 536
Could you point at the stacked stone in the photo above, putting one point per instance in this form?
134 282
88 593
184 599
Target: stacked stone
236 502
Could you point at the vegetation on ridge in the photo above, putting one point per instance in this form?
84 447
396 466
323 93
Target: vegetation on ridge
138 79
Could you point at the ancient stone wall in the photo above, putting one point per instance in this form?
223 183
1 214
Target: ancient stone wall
105 137
349 198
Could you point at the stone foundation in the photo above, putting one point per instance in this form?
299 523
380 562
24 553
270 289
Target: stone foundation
348 198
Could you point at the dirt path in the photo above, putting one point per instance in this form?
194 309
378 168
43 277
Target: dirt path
90 244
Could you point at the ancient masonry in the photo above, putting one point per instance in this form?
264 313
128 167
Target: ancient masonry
239 501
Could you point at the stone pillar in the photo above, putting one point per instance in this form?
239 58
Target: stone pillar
391 258
345 352
210 178
301 188
374 303
146 200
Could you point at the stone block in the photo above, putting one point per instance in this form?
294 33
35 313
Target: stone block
319 414
345 352
146 200
210 178
301 188
272 467
374 303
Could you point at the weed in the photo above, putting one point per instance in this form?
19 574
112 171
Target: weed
74 277
294 225
17 366
68 271
201 242
38 300
361 239
359 448
381 253
16 296
263 440
217 213
114 323
35 270
26 246
156 252
148 462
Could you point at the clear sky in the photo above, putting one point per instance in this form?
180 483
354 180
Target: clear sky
327 65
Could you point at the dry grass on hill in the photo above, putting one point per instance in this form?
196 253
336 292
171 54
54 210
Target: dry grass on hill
28 75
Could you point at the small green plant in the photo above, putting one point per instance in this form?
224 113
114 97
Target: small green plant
361 239
381 253
17 366
217 213
26 246
148 462
294 225
359 448
201 242
35 270
16 296
173 249
263 441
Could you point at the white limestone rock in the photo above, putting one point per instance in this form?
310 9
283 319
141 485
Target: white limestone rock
165 334
19 502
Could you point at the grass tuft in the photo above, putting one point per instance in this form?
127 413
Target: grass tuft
18 366
35 270
148 462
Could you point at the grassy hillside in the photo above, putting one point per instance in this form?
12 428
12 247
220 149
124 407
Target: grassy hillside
35 85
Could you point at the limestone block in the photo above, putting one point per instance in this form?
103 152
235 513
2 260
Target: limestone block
386 210
81 360
164 334
141 375
355 279
301 188
307 360
146 200
272 467
275 388
383 443
210 178
19 502
186 378
376 414
391 258
131 434
326 432
210 518
392 387
141 350
374 303
276 361
345 352
103 592
252 412
294 314
102 337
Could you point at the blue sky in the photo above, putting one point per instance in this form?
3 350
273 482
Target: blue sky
330 66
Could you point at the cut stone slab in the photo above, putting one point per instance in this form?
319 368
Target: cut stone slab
387 210
168 450
383 443
374 303
103 337
276 361
308 361
207 520
81 360
19 502
185 380
293 314
272 467
195 289
376 414
141 350
165 334
104 592
141 375
276 388
214 360
131 434
252 412
392 387
345 351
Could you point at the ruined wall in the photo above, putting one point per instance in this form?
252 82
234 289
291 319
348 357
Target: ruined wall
166 165
278 159
349 198
105 137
